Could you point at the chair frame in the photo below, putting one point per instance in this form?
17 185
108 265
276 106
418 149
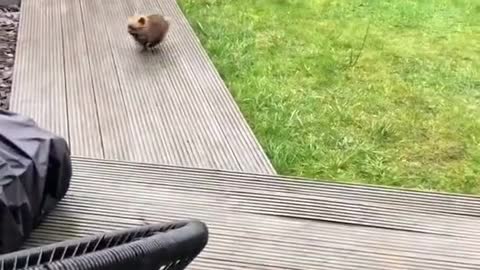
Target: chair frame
165 246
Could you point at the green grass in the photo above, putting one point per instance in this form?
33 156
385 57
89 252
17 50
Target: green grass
397 106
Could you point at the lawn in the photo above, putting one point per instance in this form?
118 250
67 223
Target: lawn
379 92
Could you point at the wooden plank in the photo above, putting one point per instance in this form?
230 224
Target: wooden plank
289 239
38 88
408 200
117 137
85 139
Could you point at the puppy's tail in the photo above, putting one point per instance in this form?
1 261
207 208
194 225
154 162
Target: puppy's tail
168 19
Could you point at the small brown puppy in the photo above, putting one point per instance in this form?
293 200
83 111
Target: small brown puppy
148 30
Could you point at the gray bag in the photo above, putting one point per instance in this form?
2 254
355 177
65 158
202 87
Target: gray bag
35 172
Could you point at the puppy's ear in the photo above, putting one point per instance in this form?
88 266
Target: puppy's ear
141 20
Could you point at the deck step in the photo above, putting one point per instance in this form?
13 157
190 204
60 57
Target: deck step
271 222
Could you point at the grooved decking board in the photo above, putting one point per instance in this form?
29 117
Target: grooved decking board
39 79
83 115
271 222
78 73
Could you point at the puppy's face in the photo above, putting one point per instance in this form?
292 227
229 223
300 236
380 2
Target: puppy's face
135 23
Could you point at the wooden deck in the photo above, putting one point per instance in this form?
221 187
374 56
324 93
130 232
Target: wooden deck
79 74
270 223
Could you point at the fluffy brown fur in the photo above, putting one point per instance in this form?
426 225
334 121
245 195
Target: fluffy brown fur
149 30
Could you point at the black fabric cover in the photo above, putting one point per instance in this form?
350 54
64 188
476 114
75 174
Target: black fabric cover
35 172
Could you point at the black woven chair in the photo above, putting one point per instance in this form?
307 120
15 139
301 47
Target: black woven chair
167 246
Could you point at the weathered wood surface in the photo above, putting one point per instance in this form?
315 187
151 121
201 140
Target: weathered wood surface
271 222
79 74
